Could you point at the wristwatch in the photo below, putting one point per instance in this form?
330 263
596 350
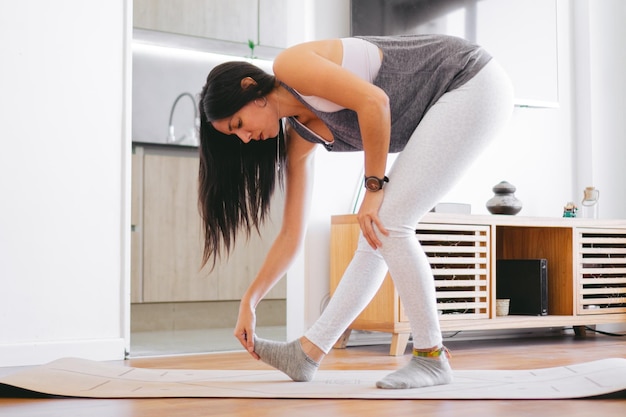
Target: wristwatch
374 183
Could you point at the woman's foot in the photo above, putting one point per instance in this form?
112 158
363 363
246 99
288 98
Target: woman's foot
426 370
288 358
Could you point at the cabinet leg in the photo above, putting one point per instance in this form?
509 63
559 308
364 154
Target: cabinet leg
580 331
343 340
398 343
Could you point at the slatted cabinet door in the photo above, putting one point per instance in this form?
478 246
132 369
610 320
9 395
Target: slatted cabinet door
460 259
602 271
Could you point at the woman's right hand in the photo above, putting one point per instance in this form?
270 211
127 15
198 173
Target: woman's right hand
244 330
368 218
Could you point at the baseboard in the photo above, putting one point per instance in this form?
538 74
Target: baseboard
37 353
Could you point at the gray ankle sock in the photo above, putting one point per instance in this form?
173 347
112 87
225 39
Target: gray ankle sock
288 358
419 372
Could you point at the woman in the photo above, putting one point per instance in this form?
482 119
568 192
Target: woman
437 100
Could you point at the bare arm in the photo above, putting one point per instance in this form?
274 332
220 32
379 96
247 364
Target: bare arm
314 68
287 243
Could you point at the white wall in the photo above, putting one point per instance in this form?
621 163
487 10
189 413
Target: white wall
601 100
63 180
551 155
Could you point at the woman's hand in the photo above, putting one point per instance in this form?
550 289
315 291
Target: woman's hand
244 330
368 217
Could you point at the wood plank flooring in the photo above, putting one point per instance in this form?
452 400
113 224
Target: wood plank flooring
484 354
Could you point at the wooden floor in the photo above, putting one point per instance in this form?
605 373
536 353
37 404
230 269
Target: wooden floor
484 354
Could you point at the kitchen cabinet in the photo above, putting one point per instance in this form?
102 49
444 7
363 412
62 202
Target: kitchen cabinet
215 19
167 236
586 272
227 20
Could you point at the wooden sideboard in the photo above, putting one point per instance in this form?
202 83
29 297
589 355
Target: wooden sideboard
586 271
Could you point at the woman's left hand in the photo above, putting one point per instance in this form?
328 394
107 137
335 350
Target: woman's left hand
368 217
245 327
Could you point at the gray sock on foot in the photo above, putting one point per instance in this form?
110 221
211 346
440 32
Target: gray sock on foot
288 358
419 372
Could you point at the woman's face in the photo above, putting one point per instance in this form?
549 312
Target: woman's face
254 121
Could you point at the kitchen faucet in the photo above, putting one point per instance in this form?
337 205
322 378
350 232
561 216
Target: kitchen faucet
171 137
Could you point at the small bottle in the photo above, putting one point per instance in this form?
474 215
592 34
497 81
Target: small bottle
589 205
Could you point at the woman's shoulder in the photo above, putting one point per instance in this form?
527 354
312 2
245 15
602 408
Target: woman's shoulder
301 53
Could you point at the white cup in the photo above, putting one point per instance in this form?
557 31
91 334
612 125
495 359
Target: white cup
502 306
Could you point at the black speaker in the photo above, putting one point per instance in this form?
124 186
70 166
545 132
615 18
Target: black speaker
525 283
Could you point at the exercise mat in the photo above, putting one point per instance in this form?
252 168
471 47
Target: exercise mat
72 377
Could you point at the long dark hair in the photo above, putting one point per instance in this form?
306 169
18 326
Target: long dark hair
236 179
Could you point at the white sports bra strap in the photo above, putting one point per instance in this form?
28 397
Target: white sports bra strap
359 57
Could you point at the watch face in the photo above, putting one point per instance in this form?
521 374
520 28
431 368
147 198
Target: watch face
372 184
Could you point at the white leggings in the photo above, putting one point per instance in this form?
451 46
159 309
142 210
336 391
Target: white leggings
453 132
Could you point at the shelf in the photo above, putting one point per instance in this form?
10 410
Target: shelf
519 322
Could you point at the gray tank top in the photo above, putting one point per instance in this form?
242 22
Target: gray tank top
416 71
